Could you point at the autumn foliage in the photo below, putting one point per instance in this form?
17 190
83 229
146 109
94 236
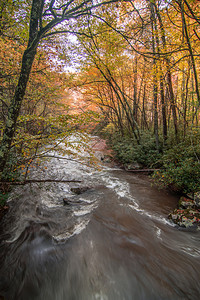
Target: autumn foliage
133 66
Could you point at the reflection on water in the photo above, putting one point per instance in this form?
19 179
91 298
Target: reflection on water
114 243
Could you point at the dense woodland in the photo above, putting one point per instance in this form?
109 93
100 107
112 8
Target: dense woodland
130 68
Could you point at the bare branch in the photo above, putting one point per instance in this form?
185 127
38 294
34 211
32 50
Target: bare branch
38 181
66 31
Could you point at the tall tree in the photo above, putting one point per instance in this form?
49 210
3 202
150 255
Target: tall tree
187 37
45 19
169 75
155 71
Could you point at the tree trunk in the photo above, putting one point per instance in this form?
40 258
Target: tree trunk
144 124
135 104
169 77
155 83
161 80
15 106
27 61
185 29
164 118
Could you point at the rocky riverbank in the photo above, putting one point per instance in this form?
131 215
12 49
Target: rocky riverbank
187 215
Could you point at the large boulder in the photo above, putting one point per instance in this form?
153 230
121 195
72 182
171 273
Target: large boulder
187 218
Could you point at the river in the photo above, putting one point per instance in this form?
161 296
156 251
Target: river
112 242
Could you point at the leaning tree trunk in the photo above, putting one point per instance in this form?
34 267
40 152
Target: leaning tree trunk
27 61
15 106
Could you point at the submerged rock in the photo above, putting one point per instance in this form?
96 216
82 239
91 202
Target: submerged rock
71 202
80 190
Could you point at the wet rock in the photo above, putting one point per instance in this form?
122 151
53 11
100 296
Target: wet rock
133 166
197 199
173 216
100 155
80 190
38 210
187 215
188 223
187 218
71 202
107 159
186 203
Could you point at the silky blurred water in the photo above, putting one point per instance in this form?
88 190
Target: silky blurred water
113 242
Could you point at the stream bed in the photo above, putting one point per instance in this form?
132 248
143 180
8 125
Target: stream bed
111 242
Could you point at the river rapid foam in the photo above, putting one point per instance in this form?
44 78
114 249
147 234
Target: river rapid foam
111 242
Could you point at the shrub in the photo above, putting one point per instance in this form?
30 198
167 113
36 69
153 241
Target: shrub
11 172
181 166
179 163
128 151
3 198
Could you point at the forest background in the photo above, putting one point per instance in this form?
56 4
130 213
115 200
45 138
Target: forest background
125 70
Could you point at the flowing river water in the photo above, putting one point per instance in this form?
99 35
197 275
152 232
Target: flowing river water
112 242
